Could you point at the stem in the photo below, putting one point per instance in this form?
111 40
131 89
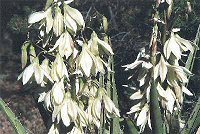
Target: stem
164 29
156 118
115 126
102 117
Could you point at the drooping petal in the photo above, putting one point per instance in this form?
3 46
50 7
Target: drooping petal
75 15
170 99
58 22
72 109
161 91
28 72
137 95
38 73
64 115
132 65
49 20
58 92
105 47
37 16
69 22
134 108
85 62
186 91
142 117
163 69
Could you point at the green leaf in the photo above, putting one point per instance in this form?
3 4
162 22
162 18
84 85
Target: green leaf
131 127
19 129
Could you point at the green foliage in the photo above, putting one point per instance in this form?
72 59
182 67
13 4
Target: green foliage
187 21
194 120
19 129
18 24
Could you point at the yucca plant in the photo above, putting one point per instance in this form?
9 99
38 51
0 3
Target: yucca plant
161 78
71 67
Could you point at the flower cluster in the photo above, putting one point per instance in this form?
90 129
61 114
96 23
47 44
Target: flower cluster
170 78
68 66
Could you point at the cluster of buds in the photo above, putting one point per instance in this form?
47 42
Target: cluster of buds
70 67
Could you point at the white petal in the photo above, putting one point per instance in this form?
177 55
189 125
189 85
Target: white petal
86 62
47 100
66 47
55 113
137 95
58 22
135 108
58 42
161 91
186 91
171 99
28 72
163 69
133 65
38 73
167 50
64 115
156 70
97 108
37 16
175 48
41 97
75 14
142 117
58 92
185 42
68 1
46 70
148 93
49 20
149 121
147 65
106 47
108 104
72 109
69 22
